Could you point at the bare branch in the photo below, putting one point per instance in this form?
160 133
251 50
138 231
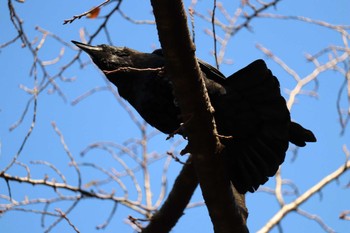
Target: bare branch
279 61
10 42
64 215
164 183
339 28
25 138
134 20
71 157
345 215
293 206
105 224
301 82
52 167
84 193
316 219
85 13
214 34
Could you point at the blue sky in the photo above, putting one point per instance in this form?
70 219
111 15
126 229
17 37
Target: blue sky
100 118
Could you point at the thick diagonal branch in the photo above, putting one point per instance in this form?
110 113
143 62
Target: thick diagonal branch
190 92
168 215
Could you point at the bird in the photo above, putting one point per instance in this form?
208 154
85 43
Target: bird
248 107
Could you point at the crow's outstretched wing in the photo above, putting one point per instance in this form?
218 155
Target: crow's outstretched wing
254 113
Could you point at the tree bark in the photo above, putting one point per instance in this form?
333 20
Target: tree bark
199 123
168 215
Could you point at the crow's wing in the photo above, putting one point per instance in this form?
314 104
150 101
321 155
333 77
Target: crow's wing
249 107
261 127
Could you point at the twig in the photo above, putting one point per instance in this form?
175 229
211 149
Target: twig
64 216
73 162
10 42
151 22
316 219
89 93
214 34
85 13
55 60
306 19
345 215
132 69
131 204
26 137
135 222
164 183
105 224
175 157
301 82
293 206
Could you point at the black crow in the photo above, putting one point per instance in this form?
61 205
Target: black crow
248 107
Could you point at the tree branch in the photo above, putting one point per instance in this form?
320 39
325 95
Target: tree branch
166 218
190 92
286 209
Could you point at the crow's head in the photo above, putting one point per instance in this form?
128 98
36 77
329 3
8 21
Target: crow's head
109 58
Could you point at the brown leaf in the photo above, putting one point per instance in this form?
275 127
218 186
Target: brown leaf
94 13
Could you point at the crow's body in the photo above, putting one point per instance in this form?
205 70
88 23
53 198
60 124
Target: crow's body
248 106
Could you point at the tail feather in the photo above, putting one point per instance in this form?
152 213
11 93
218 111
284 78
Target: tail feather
298 135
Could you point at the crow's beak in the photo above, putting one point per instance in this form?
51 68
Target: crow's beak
89 49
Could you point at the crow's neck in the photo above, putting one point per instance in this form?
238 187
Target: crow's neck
124 83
